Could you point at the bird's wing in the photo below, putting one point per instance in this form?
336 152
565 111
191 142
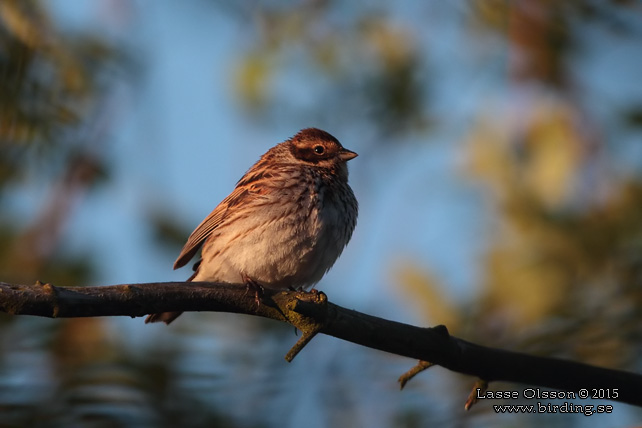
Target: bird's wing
211 222
250 189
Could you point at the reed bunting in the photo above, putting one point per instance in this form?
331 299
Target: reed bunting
284 225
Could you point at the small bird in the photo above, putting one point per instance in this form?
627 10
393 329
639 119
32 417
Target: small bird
284 225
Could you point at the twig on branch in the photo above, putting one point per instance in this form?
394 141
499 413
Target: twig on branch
309 326
479 389
420 367
312 313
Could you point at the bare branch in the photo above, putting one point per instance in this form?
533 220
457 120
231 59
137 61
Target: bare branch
312 313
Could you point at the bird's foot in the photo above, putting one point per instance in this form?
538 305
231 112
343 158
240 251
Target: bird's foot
301 289
253 286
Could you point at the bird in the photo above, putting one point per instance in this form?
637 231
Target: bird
285 223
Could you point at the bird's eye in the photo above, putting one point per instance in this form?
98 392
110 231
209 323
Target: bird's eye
319 149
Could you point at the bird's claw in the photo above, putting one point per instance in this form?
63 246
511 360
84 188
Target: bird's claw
254 286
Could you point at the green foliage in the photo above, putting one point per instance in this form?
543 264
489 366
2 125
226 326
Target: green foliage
562 269
364 62
51 86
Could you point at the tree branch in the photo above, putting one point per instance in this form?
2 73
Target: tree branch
312 313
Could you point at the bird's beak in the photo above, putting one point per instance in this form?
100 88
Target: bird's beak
345 155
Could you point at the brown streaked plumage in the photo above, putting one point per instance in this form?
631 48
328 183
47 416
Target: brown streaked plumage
285 223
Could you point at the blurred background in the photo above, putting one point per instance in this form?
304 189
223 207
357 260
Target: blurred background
499 182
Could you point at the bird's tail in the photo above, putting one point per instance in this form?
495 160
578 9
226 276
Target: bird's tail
168 317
